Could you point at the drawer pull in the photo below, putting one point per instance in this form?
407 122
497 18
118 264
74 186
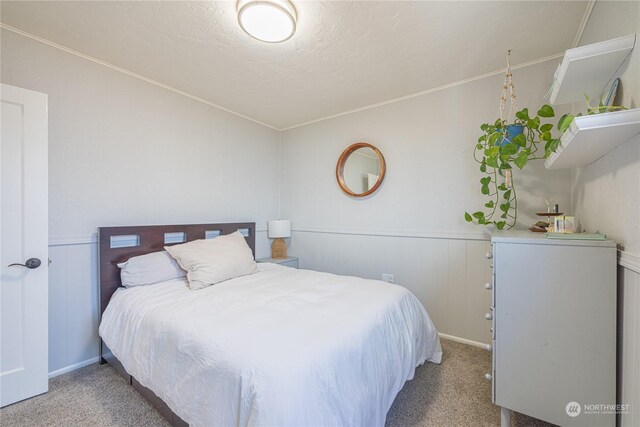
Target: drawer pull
489 255
488 286
488 316
488 377
488 347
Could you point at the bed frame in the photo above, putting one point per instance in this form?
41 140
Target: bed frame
118 244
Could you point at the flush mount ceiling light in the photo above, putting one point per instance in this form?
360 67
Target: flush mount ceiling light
271 21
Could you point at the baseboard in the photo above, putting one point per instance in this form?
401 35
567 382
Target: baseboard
73 367
463 341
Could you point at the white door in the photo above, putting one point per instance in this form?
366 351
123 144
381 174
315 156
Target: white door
23 240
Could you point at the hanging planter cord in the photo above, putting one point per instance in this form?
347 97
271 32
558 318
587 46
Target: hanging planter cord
507 85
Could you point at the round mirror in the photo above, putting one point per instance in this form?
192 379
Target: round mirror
360 169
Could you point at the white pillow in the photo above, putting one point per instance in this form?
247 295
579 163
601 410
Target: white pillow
149 268
213 261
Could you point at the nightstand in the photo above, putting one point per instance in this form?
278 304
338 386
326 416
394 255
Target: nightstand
291 261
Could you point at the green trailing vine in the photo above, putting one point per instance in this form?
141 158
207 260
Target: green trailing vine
498 153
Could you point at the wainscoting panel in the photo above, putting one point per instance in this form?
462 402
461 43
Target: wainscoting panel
629 345
478 298
73 300
73 305
447 275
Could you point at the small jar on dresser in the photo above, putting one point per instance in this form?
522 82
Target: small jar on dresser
291 261
554 327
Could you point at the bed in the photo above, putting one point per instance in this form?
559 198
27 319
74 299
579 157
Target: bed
281 347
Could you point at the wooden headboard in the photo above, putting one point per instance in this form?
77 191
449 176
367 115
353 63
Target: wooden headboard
118 244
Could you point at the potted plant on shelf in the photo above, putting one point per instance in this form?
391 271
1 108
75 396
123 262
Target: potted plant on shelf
503 145
565 121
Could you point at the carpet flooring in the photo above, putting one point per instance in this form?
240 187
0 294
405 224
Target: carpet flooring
453 393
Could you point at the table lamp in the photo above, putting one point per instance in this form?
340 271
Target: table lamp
279 229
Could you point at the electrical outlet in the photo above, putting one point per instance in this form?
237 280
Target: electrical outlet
389 278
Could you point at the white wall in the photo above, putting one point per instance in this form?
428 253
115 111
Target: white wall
126 152
629 344
413 226
606 192
607 199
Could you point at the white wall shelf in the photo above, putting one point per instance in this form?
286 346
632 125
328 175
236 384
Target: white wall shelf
591 137
589 69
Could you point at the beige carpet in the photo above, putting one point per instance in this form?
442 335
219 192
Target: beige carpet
453 393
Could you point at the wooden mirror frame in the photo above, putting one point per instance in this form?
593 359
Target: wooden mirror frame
343 160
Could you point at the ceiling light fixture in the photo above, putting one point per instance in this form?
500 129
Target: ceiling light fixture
271 21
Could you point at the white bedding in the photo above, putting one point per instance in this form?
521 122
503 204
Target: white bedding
281 347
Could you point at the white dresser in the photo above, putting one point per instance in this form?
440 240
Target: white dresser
554 328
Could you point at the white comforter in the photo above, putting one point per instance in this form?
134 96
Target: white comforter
282 347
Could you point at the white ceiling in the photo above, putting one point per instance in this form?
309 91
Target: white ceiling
344 55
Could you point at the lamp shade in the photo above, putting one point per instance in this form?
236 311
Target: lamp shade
279 228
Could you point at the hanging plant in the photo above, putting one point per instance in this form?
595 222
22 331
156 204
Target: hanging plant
503 145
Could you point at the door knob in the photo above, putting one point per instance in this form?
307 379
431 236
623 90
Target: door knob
31 263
